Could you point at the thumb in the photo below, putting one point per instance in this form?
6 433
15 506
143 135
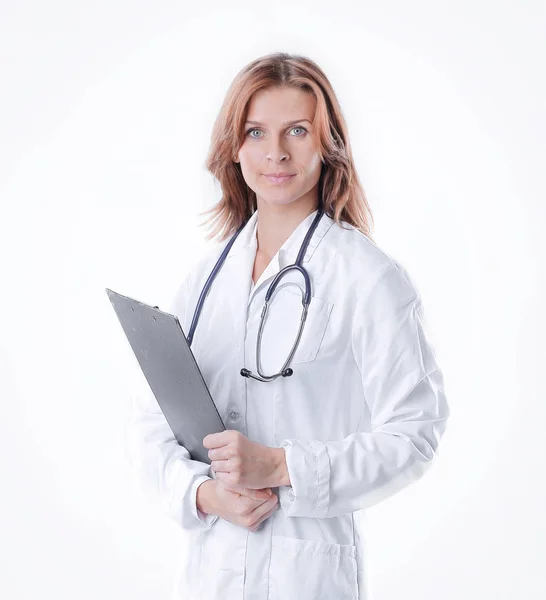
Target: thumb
264 494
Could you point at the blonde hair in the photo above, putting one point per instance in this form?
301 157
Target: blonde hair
342 194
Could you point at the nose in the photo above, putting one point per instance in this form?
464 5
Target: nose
277 152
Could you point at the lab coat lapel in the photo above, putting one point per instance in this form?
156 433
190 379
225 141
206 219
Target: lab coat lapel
240 265
288 252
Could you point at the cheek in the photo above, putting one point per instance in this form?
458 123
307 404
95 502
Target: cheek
314 162
250 166
249 156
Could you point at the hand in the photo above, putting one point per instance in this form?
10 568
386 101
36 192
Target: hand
242 506
236 460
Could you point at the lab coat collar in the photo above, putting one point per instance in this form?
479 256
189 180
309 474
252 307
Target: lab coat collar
240 264
240 260
289 250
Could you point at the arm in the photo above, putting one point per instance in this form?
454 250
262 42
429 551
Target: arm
160 463
403 390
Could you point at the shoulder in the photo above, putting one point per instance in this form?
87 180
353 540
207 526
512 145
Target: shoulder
369 267
204 262
196 270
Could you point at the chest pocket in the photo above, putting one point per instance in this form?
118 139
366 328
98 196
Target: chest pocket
281 327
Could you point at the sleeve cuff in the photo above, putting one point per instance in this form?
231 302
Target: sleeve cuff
205 519
309 471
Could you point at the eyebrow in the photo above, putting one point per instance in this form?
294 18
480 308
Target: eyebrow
285 124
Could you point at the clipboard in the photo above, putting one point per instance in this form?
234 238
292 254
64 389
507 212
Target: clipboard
161 348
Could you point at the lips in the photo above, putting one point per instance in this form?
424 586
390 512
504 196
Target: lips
279 179
279 174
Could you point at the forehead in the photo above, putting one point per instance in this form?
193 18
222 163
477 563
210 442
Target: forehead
281 106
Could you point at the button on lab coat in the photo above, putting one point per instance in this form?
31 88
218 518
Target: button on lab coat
360 418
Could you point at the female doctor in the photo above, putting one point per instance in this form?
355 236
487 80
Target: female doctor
311 341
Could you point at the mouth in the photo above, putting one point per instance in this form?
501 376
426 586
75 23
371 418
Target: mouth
279 180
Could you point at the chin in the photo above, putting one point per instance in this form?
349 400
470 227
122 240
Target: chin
279 201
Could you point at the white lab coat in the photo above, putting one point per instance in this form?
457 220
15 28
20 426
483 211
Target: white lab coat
360 418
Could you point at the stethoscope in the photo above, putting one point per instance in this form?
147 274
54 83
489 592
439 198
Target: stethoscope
306 299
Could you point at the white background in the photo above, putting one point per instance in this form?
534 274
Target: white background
106 114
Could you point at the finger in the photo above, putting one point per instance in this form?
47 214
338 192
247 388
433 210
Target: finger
218 453
262 510
265 494
216 440
265 517
247 505
222 466
262 494
255 512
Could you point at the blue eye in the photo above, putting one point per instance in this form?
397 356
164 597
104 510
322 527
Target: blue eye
256 129
300 127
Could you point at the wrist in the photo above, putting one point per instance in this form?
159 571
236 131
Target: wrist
281 470
205 497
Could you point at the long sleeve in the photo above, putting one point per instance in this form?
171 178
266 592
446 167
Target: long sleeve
161 464
404 392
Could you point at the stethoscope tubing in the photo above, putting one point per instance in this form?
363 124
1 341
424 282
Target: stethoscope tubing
306 300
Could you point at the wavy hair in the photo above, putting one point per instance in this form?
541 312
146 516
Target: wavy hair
342 194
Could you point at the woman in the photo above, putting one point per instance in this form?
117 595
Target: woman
357 413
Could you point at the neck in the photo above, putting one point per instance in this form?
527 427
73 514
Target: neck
277 222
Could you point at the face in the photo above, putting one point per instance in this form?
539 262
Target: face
279 138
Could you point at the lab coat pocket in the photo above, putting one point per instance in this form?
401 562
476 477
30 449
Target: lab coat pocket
282 324
309 570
